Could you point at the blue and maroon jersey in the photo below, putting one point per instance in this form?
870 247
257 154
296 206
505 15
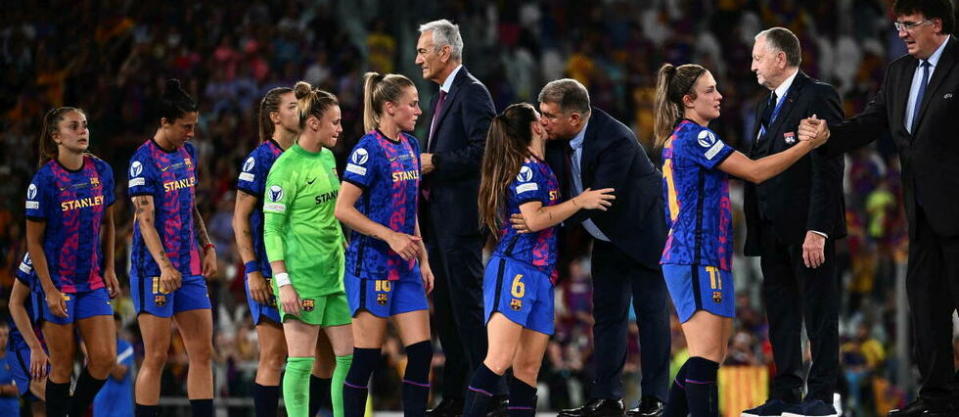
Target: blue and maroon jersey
698 211
388 171
171 178
72 204
534 182
252 180
28 277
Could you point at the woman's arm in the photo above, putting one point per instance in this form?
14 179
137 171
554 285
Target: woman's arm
407 246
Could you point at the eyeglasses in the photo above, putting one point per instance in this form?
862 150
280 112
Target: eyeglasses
908 26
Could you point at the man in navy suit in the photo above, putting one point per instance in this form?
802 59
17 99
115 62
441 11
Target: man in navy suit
593 150
793 221
917 105
452 151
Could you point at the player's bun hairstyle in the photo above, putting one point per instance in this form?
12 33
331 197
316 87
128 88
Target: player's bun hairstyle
672 84
175 102
507 146
270 104
49 126
930 9
377 90
312 101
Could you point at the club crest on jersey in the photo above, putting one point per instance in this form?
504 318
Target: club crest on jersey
308 304
187 162
381 299
360 156
276 193
717 297
136 168
516 304
95 181
159 300
248 165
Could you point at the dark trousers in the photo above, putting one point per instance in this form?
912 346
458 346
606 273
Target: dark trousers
617 278
457 264
793 294
932 284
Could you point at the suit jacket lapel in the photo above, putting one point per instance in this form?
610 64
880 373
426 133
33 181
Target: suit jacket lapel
451 97
943 68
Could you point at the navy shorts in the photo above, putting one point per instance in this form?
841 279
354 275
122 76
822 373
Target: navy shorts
696 287
262 311
385 298
149 297
80 305
520 292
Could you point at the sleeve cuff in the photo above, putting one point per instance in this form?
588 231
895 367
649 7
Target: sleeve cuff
820 234
362 186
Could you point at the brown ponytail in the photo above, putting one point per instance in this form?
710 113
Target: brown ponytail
377 90
507 146
270 104
672 84
49 126
312 101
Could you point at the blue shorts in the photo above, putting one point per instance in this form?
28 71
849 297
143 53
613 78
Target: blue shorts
259 311
385 298
149 298
697 287
18 356
520 292
80 306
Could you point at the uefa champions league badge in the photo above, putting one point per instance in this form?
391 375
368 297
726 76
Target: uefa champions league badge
789 137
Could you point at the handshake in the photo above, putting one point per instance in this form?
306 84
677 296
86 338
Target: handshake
813 130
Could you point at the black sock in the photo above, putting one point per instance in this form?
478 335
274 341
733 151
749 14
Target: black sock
480 391
522 398
676 405
416 378
87 389
57 398
202 408
266 399
319 394
357 380
702 394
146 410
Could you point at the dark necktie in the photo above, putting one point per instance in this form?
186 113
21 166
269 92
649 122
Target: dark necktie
764 121
436 117
922 91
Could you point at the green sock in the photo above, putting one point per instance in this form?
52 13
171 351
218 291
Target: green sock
336 387
296 386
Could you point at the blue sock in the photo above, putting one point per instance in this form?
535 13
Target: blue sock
480 390
702 394
266 399
357 380
676 405
522 399
416 378
202 408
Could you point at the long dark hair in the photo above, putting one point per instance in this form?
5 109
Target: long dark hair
672 84
49 126
507 146
270 104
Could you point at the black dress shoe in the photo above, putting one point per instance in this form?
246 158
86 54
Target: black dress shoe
497 406
596 407
448 407
648 407
920 408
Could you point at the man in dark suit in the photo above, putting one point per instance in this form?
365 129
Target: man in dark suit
793 221
594 150
452 152
918 104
